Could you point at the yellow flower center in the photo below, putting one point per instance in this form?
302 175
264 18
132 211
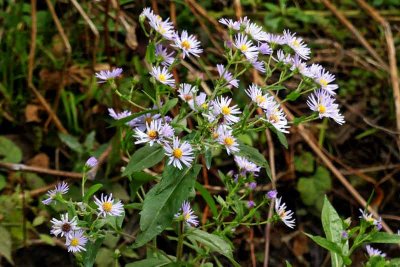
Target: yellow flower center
215 135
274 118
152 134
186 45
228 141
187 216
188 97
74 242
323 82
107 206
321 108
295 43
260 99
162 78
161 29
177 153
370 220
244 48
225 110
204 105
282 214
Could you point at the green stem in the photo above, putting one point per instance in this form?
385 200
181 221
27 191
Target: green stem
179 249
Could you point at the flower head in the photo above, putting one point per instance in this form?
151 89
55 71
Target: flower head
188 214
162 75
188 44
252 185
323 103
324 79
274 39
297 44
199 102
235 25
246 166
118 115
300 66
274 115
64 227
265 49
226 138
255 32
256 95
179 153
141 121
221 107
227 76
186 91
368 217
165 58
61 188
271 194
244 45
285 215
105 75
91 162
250 204
76 242
258 65
108 206
163 27
374 252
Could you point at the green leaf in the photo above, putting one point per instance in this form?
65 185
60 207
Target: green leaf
281 137
382 237
326 244
312 189
168 106
213 242
5 244
151 53
138 179
72 142
298 120
105 257
333 228
9 151
145 157
47 239
153 262
304 162
254 155
164 200
89 256
91 191
3 182
288 264
208 157
293 96
208 198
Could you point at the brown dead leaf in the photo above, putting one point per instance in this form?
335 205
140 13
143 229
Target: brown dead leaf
300 245
40 160
32 113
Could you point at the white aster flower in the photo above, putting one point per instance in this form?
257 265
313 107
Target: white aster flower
76 242
61 188
258 65
179 153
165 28
188 214
285 215
105 75
141 121
199 102
156 132
226 138
118 115
281 57
256 32
323 103
162 75
300 66
187 91
165 58
221 107
297 44
256 95
274 39
246 166
107 206
368 217
275 116
264 49
246 47
374 252
188 44
227 76
235 25
324 78
64 227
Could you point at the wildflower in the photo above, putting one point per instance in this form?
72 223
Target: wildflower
106 206
227 76
323 103
256 32
165 28
344 235
61 188
246 47
251 204
276 117
300 66
271 194
246 166
265 49
105 75
324 78
64 227
76 242
284 215
165 58
297 44
179 153
186 91
188 44
281 57
199 102
91 162
255 93
141 121
235 25
370 219
163 76
258 65
188 214
156 132
118 115
226 138
252 185
221 107
374 252
274 39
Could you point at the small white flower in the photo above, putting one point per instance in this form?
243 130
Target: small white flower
188 214
370 219
235 25
275 116
221 107
274 39
157 132
265 49
105 75
199 102
141 121
256 95
258 65
323 103
281 57
165 28
299 65
297 44
256 32
374 252
246 47
285 215
64 227
188 44
227 76
76 242
61 188
165 58
246 166
226 138
163 76
179 153
187 91
118 115
107 206
91 162
324 78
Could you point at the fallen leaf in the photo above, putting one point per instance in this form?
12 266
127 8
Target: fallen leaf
40 160
32 113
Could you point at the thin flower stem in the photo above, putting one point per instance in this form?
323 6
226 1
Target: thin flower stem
179 249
